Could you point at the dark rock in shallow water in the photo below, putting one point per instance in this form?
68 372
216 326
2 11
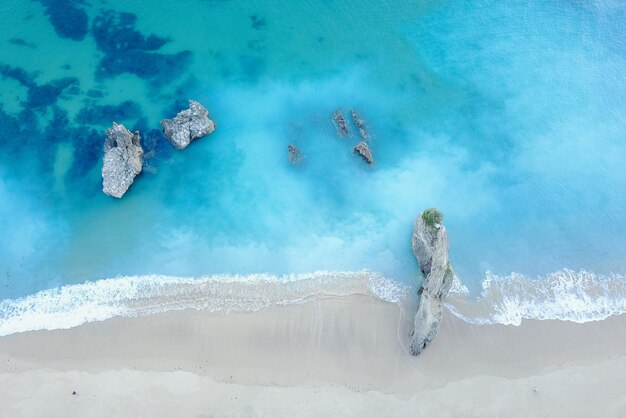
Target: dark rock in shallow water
152 66
364 150
116 32
39 96
123 159
340 123
258 22
188 125
18 74
430 247
94 114
69 21
87 150
129 51
95 94
9 127
295 156
22 42
47 94
154 143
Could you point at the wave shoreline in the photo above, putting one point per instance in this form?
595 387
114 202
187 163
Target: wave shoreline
563 295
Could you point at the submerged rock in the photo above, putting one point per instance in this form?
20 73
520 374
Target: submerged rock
360 124
123 157
340 123
188 125
430 247
295 156
364 150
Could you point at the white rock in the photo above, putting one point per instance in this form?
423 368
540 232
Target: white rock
188 125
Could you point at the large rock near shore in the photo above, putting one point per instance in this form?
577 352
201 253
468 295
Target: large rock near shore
188 125
430 247
123 157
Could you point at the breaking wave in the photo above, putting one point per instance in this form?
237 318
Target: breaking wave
565 295
129 296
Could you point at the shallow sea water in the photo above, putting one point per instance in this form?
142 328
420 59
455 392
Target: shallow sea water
510 117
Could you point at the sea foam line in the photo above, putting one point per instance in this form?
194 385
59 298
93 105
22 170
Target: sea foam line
72 305
564 295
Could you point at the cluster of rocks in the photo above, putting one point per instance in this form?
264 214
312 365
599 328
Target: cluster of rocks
430 247
362 148
295 155
123 154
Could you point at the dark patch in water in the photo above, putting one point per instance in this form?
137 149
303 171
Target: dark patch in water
18 74
129 51
154 143
151 66
251 66
94 114
95 94
256 45
22 42
47 95
9 127
69 21
39 96
258 22
116 32
177 105
88 150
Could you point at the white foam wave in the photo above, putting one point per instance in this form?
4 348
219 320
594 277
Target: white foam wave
565 295
73 305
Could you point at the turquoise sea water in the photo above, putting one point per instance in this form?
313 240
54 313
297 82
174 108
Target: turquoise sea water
510 117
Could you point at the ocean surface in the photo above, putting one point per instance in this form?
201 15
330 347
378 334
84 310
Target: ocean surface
510 117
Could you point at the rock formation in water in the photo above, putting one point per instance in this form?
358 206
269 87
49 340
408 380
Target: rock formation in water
188 125
364 150
340 123
430 246
360 124
123 157
295 156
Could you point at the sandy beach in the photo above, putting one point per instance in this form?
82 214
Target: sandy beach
337 356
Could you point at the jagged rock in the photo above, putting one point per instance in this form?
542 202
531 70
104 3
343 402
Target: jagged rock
295 156
364 150
340 123
123 157
188 125
430 247
360 124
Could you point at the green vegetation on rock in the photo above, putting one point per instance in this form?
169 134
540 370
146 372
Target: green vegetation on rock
432 217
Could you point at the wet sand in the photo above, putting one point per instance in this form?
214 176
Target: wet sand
337 356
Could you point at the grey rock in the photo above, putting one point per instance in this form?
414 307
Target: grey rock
357 120
364 150
295 156
188 125
123 158
340 123
430 247
360 124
